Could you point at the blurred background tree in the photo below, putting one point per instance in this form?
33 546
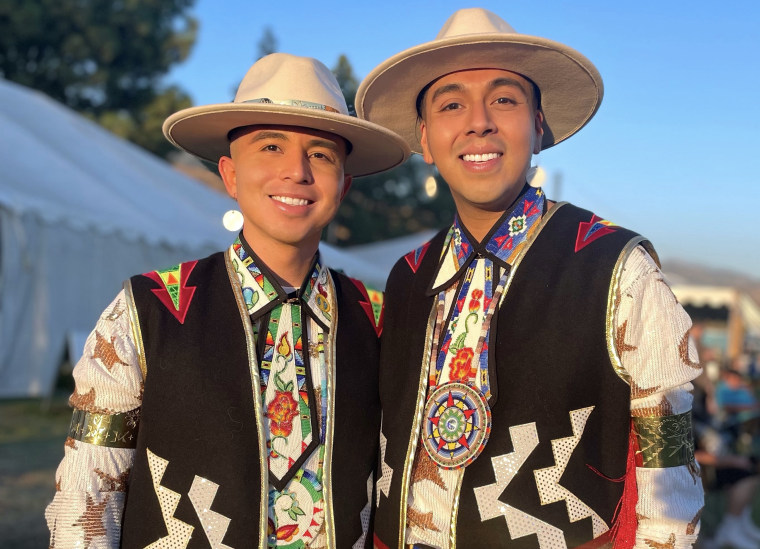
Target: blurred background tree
268 43
102 58
407 199
106 58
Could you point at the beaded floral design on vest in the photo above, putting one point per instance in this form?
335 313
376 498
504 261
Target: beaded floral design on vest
293 328
457 422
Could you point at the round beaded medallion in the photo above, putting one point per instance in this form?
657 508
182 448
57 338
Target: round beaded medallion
457 422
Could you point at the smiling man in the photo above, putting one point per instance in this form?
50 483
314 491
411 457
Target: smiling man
232 401
535 369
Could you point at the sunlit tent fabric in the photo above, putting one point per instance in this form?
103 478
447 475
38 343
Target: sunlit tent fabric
80 211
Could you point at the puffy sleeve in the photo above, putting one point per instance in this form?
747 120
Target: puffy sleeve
655 350
99 450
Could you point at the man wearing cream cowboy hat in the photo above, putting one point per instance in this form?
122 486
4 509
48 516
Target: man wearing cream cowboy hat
535 368
232 401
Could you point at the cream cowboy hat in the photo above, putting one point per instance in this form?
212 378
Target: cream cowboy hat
284 89
475 38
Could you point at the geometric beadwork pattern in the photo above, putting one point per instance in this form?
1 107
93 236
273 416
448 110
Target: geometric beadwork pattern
547 479
257 289
588 231
457 423
414 258
174 292
202 494
509 238
505 467
372 305
178 532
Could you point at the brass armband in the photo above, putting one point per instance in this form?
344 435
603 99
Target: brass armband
666 441
109 430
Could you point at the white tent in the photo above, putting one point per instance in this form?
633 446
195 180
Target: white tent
384 254
80 211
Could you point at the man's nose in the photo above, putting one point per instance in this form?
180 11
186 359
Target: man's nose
480 121
297 168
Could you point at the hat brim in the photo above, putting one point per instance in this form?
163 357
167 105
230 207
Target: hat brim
571 86
202 131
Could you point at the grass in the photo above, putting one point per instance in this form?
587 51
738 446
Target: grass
32 433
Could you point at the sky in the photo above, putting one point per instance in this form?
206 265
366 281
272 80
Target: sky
672 152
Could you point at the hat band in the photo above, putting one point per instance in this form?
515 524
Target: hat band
294 103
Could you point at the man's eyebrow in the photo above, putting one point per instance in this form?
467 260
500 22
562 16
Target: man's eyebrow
268 134
496 83
448 88
506 81
326 143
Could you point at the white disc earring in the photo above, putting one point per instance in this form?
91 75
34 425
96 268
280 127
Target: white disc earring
233 221
536 176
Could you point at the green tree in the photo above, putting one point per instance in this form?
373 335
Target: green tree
103 58
349 84
390 204
268 43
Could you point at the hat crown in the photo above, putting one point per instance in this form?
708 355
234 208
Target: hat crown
474 21
288 79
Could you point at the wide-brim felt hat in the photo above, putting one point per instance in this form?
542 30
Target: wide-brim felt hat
474 38
288 90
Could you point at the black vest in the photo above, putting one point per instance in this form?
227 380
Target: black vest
198 413
548 357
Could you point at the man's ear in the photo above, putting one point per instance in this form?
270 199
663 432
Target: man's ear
227 171
426 156
539 122
347 181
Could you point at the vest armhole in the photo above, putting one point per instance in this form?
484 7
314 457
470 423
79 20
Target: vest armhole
134 323
613 301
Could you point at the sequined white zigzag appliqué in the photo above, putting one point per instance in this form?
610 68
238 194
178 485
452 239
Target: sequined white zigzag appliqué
547 480
505 467
179 532
364 516
202 494
384 482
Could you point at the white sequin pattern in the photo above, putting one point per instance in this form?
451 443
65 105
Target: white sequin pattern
506 466
547 480
179 532
364 516
202 494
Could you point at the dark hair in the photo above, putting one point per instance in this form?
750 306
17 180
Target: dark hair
234 133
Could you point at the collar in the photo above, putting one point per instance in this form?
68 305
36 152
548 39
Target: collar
262 292
501 242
